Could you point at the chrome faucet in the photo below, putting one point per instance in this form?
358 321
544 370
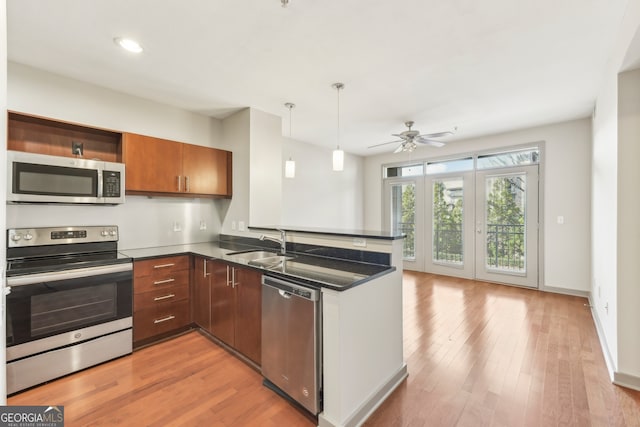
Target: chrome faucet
282 240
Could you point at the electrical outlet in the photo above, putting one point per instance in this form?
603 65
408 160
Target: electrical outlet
241 226
606 308
177 227
233 225
360 242
560 219
203 225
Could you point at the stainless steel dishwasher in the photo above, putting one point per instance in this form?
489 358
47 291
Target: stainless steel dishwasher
291 341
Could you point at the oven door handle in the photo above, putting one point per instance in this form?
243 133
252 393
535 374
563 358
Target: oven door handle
30 279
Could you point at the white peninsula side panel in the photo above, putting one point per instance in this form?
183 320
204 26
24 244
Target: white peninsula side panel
363 358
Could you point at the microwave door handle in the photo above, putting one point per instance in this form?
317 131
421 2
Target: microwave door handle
100 189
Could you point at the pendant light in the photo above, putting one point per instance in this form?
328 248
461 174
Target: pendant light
338 154
290 165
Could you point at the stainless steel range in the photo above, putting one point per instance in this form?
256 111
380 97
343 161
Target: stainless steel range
70 302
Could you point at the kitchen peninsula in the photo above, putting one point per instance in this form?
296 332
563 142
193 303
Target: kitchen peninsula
360 280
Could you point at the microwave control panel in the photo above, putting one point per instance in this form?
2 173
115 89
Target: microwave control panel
111 184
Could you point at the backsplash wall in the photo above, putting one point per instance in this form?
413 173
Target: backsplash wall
143 221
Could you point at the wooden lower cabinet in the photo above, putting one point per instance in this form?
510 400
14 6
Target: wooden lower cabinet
161 303
234 311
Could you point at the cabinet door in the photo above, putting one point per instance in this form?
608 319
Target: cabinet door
152 164
222 302
206 170
202 293
248 287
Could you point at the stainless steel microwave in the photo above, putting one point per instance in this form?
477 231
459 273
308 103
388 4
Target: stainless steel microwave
40 178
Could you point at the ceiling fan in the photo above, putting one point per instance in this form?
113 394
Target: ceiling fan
410 138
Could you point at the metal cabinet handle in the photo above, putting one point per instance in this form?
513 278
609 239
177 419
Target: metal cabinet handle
160 282
205 269
164 319
186 184
164 297
233 277
228 275
179 183
164 265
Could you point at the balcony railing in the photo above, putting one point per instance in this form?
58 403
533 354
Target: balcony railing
447 244
506 247
409 244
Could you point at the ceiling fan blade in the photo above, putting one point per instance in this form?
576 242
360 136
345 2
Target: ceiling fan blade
399 149
436 135
431 142
384 143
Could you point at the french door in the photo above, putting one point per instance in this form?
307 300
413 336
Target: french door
449 224
506 228
403 198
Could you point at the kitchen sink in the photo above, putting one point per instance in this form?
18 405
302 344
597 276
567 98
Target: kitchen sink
270 261
258 258
248 256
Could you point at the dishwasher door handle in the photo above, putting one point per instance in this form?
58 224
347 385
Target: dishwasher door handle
284 294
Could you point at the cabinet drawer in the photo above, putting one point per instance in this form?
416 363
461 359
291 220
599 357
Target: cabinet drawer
168 279
160 296
160 266
159 319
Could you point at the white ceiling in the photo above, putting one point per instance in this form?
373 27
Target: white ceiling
483 66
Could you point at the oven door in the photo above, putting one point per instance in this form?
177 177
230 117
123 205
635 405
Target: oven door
47 304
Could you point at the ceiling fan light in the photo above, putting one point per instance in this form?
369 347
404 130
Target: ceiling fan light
338 160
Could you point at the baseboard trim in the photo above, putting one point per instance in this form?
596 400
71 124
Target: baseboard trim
565 291
626 380
608 360
371 404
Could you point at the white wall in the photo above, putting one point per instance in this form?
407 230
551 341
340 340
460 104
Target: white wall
143 221
566 177
628 247
265 188
615 204
318 196
236 137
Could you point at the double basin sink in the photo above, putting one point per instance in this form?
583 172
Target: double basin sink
259 258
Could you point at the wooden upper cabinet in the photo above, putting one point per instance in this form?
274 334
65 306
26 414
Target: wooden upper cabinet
152 164
159 166
206 170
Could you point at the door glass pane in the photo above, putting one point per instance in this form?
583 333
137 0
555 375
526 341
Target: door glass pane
403 202
447 220
505 210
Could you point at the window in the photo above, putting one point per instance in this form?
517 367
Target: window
457 165
404 171
529 156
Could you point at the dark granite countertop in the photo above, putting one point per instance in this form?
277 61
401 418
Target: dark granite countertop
314 271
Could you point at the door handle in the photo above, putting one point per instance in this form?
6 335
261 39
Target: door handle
284 294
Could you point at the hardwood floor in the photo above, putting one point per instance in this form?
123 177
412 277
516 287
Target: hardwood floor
477 354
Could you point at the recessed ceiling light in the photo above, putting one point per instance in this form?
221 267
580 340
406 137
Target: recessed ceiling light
128 44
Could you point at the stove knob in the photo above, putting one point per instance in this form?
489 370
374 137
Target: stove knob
113 233
104 233
16 237
28 236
